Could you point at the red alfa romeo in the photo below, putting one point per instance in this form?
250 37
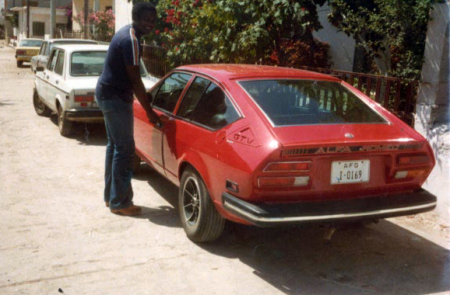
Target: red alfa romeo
273 146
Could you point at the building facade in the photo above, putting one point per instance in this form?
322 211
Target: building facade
39 25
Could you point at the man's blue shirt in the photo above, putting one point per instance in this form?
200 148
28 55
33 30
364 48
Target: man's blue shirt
124 50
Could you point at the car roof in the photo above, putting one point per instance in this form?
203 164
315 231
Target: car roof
37 39
71 40
82 47
242 71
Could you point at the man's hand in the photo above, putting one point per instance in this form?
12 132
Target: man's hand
141 94
153 118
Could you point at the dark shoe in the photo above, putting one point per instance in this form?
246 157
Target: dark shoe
129 211
107 204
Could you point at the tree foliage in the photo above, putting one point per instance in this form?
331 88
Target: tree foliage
236 31
392 32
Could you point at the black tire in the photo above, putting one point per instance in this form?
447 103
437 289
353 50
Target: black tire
136 164
40 108
19 63
64 125
199 217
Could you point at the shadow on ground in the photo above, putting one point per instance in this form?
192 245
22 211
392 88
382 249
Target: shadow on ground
381 258
86 134
163 215
6 103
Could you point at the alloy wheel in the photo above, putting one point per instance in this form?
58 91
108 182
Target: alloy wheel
191 201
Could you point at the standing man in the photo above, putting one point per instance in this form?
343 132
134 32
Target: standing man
121 78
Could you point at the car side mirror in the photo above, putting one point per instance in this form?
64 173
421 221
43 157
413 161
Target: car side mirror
39 69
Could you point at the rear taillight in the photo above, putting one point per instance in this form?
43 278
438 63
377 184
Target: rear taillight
413 160
408 174
294 181
84 98
20 52
412 166
287 167
285 174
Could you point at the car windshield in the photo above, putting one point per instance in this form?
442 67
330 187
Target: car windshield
30 43
87 63
309 102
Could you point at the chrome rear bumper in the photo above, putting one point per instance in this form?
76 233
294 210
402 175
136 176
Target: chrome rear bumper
374 207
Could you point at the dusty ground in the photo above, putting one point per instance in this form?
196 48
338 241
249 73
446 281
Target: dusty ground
57 236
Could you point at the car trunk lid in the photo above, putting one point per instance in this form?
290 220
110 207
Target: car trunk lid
291 136
344 161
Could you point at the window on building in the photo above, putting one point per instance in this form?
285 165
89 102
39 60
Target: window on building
38 29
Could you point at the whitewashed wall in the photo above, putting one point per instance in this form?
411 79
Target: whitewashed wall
123 13
434 90
342 47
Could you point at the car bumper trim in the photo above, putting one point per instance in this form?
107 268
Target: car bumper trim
84 115
23 58
331 211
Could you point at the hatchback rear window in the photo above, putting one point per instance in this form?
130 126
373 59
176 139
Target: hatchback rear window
309 102
87 63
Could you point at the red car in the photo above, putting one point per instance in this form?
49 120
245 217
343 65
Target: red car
273 146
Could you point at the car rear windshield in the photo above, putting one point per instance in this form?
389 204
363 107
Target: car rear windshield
90 63
87 63
30 43
309 102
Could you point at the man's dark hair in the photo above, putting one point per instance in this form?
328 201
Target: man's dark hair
141 8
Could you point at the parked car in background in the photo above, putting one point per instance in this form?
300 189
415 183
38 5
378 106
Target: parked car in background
26 49
66 85
46 47
273 146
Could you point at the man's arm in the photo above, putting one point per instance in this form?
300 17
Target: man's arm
134 75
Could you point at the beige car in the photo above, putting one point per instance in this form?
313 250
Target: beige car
26 49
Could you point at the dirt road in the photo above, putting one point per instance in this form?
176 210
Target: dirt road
57 236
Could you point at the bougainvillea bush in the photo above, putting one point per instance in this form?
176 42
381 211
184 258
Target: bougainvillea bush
239 31
103 23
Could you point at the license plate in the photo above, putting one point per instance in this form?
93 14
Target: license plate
350 171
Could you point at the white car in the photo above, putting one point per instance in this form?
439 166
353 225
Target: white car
47 46
66 85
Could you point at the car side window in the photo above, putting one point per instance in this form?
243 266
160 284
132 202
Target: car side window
192 97
170 91
43 47
60 63
48 49
214 109
52 60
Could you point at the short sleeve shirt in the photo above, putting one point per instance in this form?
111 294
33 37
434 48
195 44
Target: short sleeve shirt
124 50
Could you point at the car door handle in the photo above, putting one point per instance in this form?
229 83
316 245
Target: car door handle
57 82
164 118
47 77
